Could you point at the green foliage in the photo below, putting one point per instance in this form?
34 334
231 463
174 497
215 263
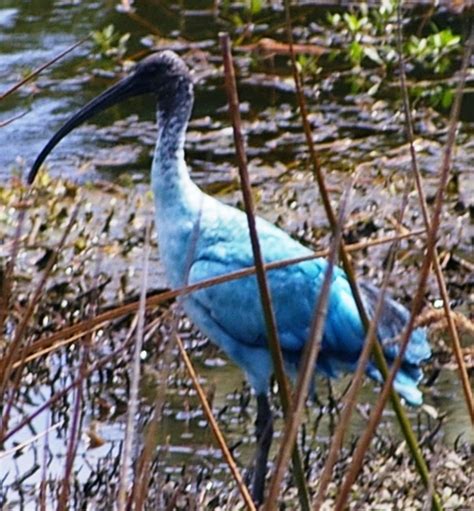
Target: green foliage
246 13
254 6
368 46
308 65
355 24
109 43
438 96
369 35
434 52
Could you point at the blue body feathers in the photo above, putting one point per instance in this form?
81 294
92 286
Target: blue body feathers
201 238
231 313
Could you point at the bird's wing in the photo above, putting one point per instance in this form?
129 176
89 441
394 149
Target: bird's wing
236 307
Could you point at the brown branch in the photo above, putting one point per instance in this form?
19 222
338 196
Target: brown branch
377 349
452 330
215 428
376 413
265 295
309 358
74 332
41 68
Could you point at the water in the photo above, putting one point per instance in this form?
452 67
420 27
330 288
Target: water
35 32
351 132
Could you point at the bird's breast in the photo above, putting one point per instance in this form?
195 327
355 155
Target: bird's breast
175 249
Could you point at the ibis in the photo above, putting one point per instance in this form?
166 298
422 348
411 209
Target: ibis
200 238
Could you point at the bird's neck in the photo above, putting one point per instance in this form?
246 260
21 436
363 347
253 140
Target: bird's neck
178 200
170 178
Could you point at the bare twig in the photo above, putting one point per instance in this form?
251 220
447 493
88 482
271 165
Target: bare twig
215 428
350 398
75 429
41 68
134 379
44 469
26 443
74 332
270 320
377 349
309 357
418 299
13 119
142 473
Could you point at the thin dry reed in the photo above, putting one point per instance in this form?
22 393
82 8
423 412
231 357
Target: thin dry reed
270 321
309 358
452 330
376 413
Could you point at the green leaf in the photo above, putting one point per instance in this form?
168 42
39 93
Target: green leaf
352 22
447 98
372 53
437 41
334 19
254 6
108 31
355 52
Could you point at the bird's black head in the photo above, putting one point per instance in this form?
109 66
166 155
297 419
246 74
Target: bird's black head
163 74
160 73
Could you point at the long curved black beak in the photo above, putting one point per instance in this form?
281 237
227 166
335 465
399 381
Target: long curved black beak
125 88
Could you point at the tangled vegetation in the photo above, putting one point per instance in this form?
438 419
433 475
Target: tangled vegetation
79 256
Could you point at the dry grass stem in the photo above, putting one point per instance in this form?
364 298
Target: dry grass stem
451 324
72 333
306 371
350 398
41 68
134 379
347 265
376 413
215 427
270 320
17 348
31 440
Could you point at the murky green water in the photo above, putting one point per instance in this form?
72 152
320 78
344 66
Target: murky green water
353 132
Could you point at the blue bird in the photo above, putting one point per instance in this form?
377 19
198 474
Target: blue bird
200 238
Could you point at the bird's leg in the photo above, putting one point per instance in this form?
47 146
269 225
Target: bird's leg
264 434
